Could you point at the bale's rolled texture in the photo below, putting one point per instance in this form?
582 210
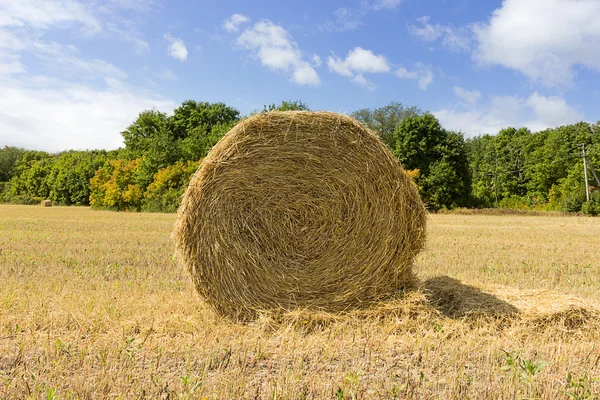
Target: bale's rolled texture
299 209
46 203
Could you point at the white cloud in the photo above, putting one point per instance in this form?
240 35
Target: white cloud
233 23
543 39
69 115
358 62
77 102
364 82
468 96
553 110
349 19
453 39
57 58
44 14
130 34
386 4
166 74
304 74
276 50
67 61
10 64
421 73
536 112
108 6
29 18
176 48
344 19
316 60
426 32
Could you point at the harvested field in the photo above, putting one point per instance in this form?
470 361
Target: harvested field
92 305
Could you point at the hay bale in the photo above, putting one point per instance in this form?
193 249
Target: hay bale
299 209
46 203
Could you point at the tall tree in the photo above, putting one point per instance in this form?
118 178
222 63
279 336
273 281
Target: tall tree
482 161
420 142
9 157
149 132
70 176
384 120
290 105
193 117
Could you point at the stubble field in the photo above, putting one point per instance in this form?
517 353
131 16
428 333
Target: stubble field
93 305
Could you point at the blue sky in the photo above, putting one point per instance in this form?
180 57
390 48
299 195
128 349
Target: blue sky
74 73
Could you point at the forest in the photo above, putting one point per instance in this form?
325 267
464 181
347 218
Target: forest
513 168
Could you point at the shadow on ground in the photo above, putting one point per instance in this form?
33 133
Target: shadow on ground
454 299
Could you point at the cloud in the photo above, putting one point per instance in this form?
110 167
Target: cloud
61 60
32 18
176 48
386 4
453 39
276 50
543 39
166 74
316 60
130 34
421 73
470 97
536 112
40 112
44 14
344 19
553 110
348 19
76 102
65 60
10 64
24 26
426 32
364 82
358 62
233 23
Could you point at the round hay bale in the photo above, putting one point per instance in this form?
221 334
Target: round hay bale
299 209
46 203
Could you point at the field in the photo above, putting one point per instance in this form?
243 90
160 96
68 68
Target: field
92 305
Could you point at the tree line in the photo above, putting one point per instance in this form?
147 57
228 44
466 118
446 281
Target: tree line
514 168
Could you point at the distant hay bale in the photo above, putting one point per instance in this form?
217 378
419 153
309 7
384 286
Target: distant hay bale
299 210
46 203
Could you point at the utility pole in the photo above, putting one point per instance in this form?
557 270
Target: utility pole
587 187
593 172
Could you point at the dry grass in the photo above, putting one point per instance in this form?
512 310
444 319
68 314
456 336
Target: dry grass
299 209
93 306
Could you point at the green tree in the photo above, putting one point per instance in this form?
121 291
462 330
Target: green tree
384 120
9 158
70 176
189 134
482 161
420 142
31 180
195 118
198 126
149 132
524 169
290 105
511 155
